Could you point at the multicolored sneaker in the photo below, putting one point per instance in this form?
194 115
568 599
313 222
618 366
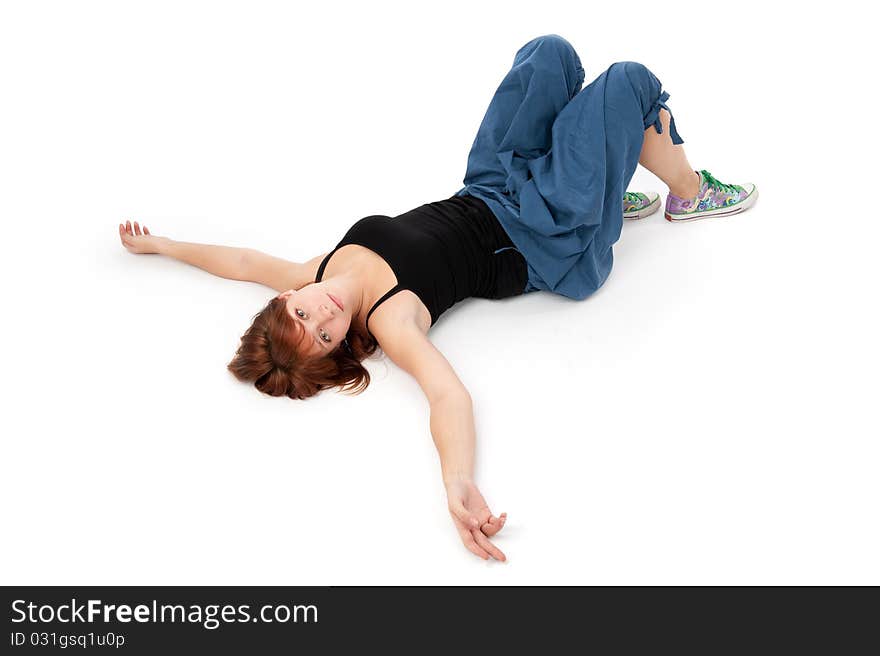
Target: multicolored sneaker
637 205
715 199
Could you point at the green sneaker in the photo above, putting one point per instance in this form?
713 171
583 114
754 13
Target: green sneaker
637 205
714 199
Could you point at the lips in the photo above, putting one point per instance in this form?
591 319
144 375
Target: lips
337 301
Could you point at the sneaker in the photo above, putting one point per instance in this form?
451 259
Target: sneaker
715 199
637 205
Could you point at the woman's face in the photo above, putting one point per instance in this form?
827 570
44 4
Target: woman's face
313 307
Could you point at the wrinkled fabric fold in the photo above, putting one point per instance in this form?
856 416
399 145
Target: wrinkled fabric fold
552 160
653 118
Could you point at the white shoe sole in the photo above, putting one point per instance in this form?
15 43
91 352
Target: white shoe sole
648 210
742 206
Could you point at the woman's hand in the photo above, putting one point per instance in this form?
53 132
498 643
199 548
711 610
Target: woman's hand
473 519
136 241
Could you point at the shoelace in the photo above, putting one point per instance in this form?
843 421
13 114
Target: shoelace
717 184
632 197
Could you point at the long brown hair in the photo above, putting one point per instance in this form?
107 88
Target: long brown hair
270 357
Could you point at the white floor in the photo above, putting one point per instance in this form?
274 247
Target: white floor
708 417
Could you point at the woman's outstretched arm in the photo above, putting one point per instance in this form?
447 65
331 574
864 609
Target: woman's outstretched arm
452 427
225 261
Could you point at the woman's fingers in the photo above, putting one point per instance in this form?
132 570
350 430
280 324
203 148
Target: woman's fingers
494 524
136 230
478 543
470 543
129 236
484 542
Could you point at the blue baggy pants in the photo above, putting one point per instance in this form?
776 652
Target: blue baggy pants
553 161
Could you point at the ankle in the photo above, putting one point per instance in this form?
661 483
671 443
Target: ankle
688 187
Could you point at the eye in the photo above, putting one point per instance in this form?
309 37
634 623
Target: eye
324 336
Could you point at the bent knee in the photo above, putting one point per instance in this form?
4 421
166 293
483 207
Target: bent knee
554 39
632 68
636 75
551 42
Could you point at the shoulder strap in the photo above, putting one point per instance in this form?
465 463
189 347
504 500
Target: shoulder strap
391 292
324 264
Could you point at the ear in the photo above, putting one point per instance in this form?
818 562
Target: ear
285 294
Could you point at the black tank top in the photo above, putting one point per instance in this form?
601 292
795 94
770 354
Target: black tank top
444 252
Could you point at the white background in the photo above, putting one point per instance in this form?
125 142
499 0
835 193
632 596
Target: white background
708 417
